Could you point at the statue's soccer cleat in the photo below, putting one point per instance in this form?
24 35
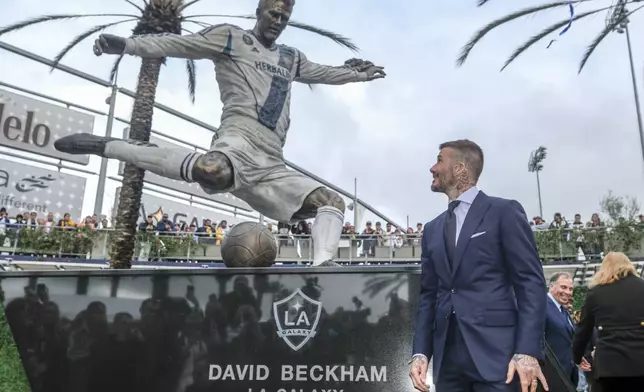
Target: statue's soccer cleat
82 144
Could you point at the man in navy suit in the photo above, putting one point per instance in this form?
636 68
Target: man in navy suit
559 326
482 305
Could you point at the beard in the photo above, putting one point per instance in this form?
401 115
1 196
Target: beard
443 182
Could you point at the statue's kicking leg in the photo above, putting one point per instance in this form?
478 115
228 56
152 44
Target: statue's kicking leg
212 170
328 209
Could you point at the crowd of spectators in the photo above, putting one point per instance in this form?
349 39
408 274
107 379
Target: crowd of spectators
559 222
52 220
210 231
377 236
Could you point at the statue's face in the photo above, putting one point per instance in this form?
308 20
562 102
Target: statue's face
272 19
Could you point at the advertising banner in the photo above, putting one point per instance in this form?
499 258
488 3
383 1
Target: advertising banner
178 212
25 188
31 125
193 189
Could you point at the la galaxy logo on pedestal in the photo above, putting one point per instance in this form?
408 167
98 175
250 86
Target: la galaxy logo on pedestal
297 317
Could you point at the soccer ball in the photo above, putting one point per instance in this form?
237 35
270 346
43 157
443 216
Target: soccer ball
249 244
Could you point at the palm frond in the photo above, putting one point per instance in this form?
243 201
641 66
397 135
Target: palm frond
166 4
376 288
115 68
188 4
483 2
51 18
192 78
198 23
547 31
220 16
187 31
598 40
335 37
81 37
134 5
478 36
377 284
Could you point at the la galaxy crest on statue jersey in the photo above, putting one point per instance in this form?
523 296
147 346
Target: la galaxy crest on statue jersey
266 77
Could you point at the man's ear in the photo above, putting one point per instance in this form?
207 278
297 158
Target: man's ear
459 168
258 12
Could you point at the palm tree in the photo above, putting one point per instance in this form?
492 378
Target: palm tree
620 17
535 165
151 17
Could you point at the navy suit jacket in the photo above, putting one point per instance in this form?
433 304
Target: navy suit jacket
559 335
496 288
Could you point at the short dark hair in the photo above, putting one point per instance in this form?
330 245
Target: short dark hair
556 276
470 153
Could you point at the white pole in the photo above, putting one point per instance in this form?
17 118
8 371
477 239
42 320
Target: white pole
355 202
102 175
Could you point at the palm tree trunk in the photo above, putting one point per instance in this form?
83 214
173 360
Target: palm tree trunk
122 248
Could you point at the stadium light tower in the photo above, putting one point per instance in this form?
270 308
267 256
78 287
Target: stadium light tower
618 12
535 165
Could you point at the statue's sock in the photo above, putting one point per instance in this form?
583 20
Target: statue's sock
326 233
167 162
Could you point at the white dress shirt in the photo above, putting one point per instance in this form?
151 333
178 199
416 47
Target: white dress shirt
559 307
466 199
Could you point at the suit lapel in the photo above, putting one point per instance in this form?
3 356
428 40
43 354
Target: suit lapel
562 316
569 327
473 219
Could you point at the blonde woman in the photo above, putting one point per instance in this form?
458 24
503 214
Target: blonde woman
615 306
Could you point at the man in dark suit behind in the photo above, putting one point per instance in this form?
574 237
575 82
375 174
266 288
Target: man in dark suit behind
559 326
482 306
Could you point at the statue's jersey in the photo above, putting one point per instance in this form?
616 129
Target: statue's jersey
254 81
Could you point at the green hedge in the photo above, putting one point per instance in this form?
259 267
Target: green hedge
578 297
623 237
81 241
12 373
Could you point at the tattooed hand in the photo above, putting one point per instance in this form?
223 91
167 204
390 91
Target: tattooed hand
529 372
418 373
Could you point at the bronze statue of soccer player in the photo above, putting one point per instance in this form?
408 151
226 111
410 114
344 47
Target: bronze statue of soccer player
254 74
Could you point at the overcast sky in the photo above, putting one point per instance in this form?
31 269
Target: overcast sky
386 132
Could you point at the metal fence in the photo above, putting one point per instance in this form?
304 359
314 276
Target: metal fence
40 242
